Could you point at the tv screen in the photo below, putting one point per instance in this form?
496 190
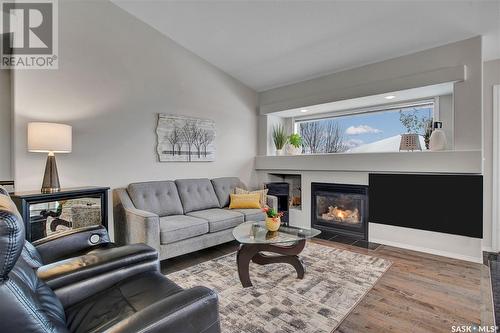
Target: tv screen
450 204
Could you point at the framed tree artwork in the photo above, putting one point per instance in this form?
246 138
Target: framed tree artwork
185 139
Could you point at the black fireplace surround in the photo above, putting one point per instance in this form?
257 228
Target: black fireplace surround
340 209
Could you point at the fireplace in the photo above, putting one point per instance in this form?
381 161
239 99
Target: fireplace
340 209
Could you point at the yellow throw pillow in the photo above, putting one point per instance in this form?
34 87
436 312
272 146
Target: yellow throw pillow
262 194
244 201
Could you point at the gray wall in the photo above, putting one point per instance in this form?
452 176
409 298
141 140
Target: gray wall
417 69
5 124
116 73
491 77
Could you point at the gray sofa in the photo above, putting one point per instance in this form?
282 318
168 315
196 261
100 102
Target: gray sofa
182 216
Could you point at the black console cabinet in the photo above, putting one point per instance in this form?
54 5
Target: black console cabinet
281 190
47 213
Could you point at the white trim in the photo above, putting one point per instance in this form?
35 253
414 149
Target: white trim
427 250
436 112
456 161
496 169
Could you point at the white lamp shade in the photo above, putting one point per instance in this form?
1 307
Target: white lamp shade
49 137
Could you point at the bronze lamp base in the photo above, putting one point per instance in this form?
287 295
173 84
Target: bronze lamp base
50 182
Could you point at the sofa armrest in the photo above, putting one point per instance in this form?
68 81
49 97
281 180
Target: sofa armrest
133 225
272 202
194 310
64 244
142 227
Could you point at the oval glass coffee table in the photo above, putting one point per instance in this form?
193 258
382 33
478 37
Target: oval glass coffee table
284 244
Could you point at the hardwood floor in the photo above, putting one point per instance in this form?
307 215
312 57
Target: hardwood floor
419 293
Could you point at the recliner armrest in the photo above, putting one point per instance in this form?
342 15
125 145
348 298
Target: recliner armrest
76 278
194 310
64 244
72 270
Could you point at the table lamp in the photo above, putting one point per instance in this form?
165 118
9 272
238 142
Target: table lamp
49 138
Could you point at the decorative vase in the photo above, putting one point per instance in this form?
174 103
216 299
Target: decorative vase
292 150
273 223
438 138
410 141
279 152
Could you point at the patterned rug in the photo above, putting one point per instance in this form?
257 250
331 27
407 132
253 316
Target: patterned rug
335 281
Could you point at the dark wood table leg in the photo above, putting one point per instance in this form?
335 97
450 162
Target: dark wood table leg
245 254
295 261
285 254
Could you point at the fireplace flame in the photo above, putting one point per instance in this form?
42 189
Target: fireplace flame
342 215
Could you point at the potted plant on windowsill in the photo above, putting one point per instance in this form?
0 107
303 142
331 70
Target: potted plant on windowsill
294 146
279 138
273 218
411 139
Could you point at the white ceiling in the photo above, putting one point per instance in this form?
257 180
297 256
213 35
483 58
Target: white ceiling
266 44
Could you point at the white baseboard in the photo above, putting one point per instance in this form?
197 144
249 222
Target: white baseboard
478 260
487 249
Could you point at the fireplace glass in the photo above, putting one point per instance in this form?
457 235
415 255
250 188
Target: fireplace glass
340 209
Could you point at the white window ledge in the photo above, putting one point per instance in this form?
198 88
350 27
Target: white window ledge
463 161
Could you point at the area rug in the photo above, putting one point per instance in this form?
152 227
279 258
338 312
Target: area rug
334 283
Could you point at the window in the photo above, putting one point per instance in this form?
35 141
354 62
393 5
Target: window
376 130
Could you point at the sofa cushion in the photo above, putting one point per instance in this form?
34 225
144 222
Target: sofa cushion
262 194
244 201
160 197
196 194
225 186
252 214
178 227
219 219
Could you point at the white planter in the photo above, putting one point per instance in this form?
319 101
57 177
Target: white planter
280 152
292 150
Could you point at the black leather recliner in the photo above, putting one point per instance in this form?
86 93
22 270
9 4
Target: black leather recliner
69 284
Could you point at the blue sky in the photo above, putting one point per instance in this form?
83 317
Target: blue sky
369 127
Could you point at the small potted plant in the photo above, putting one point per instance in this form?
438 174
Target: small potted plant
279 138
273 218
294 146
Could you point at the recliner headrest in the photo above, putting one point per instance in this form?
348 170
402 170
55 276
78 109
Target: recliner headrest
12 236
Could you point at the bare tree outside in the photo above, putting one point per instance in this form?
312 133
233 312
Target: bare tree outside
334 137
325 136
312 134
